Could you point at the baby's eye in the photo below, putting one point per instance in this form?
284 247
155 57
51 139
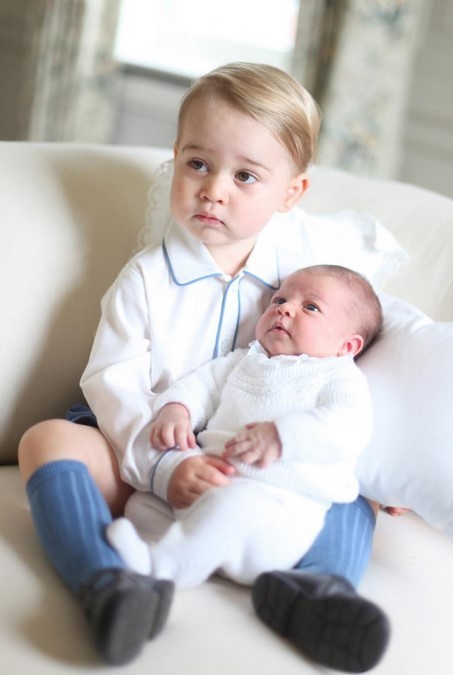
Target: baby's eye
278 300
198 165
311 307
245 177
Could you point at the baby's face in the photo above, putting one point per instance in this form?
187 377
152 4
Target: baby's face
310 314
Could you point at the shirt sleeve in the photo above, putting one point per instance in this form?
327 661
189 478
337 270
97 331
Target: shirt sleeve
117 381
117 384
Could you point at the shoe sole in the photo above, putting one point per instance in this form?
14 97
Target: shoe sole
130 618
338 631
164 592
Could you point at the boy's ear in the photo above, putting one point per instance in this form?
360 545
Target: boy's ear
352 344
298 185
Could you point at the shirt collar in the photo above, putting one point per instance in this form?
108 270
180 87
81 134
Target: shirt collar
190 261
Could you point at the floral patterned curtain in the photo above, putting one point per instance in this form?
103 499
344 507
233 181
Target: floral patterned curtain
356 57
73 73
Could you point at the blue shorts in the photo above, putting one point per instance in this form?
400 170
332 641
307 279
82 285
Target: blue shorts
80 413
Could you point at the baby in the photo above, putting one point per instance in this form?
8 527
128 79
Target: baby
291 414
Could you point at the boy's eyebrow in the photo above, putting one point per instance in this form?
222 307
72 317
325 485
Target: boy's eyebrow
241 158
193 146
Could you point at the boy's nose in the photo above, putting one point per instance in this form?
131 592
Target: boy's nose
214 189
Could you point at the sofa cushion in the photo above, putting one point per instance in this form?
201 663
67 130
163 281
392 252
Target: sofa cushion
69 220
409 461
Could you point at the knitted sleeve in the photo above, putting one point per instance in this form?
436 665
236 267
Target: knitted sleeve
337 429
200 391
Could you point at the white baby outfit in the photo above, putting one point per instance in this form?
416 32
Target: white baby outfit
322 411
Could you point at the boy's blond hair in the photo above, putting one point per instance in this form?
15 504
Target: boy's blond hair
270 96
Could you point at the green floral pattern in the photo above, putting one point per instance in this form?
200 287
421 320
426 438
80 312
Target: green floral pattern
356 57
71 85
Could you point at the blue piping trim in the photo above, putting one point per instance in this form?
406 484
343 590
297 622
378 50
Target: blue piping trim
222 312
254 276
236 330
154 468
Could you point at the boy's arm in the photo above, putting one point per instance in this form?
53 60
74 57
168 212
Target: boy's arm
116 381
117 386
194 476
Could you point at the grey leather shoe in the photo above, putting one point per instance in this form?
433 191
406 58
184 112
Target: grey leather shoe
323 617
125 610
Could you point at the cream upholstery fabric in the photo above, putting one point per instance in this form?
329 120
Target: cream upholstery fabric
69 219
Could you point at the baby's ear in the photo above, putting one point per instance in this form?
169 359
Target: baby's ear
298 185
353 344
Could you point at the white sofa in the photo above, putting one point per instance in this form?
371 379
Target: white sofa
69 219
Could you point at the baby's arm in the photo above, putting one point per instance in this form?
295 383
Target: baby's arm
198 391
259 443
172 428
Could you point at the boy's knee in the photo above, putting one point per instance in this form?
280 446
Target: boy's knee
42 443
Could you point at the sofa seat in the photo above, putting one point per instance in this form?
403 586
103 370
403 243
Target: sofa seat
69 220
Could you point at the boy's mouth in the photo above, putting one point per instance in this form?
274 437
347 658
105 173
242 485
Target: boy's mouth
208 219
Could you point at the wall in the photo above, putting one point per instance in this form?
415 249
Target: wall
147 109
428 136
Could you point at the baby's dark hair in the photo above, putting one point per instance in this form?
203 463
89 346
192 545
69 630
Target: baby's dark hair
366 307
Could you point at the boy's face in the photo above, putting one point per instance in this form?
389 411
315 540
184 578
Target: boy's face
310 314
231 175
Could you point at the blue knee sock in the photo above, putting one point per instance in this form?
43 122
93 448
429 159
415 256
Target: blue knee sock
70 516
343 547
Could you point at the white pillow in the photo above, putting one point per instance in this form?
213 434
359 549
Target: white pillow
355 240
409 461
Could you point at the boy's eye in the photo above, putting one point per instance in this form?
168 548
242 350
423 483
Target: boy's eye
245 177
278 300
311 307
198 165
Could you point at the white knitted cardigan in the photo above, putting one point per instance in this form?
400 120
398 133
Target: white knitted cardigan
321 407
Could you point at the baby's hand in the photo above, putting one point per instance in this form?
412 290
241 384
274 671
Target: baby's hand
259 443
172 428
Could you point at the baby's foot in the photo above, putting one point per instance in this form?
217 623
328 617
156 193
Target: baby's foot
123 536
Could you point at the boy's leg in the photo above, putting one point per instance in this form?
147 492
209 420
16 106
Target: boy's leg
316 606
343 547
70 516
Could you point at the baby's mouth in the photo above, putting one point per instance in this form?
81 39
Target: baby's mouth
279 328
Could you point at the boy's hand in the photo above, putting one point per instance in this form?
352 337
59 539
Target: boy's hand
172 428
194 476
259 443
